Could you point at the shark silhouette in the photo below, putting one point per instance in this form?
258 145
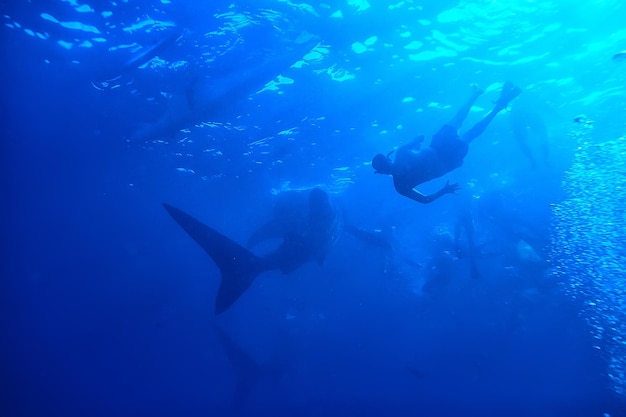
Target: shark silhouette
148 52
217 95
105 75
249 372
306 222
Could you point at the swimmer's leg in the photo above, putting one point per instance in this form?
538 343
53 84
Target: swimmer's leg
480 127
461 115
545 151
541 132
520 133
508 93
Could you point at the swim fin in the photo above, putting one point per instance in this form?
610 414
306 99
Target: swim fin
508 93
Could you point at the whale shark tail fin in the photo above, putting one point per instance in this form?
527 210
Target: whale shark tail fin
239 266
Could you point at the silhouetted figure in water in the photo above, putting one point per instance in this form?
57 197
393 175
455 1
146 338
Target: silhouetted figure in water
465 223
414 165
527 120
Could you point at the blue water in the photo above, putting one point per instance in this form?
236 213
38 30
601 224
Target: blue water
111 108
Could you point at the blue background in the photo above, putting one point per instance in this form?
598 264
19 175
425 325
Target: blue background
107 305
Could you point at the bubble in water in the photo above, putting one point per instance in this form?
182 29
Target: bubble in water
589 245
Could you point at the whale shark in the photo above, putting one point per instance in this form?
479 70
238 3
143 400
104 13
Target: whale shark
104 76
216 93
148 52
249 372
306 222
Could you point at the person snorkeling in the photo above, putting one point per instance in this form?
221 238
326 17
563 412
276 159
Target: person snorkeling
414 165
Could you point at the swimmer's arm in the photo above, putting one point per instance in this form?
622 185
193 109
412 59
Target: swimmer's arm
415 145
425 199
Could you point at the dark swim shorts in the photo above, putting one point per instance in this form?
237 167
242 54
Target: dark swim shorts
450 149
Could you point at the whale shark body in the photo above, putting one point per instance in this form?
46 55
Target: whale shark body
147 53
215 94
306 222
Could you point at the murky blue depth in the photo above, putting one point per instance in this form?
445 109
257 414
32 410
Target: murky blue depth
506 299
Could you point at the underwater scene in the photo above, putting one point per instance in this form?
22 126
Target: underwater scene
335 208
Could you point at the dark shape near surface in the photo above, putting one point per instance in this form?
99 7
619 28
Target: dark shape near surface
109 73
218 95
148 52
620 56
308 228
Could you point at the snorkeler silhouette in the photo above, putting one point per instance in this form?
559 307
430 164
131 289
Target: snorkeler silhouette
414 165
526 120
